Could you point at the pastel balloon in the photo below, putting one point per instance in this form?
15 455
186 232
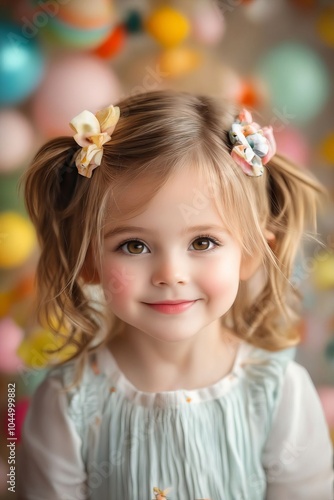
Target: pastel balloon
34 349
86 14
167 26
10 338
325 25
292 144
113 44
21 64
207 23
250 94
18 239
80 25
20 413
297 81
29 379
179 61
326 394
327 148
74 82
323 275
261 10
16 139
9 199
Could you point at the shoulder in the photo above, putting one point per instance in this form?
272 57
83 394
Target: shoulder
81 401
266 369
262 375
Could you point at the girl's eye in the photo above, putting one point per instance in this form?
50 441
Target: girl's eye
204 243
133 247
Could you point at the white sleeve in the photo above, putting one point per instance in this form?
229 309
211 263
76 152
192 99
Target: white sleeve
49 460
298 455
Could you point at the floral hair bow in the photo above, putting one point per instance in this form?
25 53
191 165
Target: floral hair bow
253 146
92 131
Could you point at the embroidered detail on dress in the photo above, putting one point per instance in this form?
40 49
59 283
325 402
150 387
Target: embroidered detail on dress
94 365
112 389
160 494
189 400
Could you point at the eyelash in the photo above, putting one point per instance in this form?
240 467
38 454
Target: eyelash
201 237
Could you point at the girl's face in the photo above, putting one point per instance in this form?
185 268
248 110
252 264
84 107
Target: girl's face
177 249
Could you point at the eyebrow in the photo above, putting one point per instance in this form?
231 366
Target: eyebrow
127 229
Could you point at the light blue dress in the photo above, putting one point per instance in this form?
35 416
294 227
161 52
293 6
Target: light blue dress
257 433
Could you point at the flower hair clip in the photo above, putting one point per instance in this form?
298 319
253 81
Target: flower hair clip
91 132
253 147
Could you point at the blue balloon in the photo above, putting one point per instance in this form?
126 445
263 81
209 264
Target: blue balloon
21 64
297 80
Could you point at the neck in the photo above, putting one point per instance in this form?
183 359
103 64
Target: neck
154 366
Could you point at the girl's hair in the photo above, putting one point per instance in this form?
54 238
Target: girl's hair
158 133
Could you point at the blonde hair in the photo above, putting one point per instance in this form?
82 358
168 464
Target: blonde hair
157 133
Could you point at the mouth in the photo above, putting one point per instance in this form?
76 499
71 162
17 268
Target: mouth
171 306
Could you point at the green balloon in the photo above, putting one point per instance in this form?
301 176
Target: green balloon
298 81
10 197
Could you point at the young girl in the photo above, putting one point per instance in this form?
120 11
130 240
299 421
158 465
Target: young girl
177 209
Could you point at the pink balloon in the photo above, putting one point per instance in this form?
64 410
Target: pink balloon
16 139
208 24
20 414
291 143
326 394
11 336
73 83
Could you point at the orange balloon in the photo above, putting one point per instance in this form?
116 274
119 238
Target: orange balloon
179 61
325 25
327 148
113 44
249 96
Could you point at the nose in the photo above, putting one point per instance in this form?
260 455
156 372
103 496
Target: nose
170 270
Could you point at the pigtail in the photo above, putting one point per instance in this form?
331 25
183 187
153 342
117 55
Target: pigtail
294 196
53 192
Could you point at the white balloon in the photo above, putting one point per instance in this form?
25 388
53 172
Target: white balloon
16 139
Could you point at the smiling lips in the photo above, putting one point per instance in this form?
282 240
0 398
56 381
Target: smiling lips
171 306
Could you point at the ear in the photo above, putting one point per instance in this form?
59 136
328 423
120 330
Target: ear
271 238
250 264
88 272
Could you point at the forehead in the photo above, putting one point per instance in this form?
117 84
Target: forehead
187 196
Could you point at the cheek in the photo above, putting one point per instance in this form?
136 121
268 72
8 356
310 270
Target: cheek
119 282
221 278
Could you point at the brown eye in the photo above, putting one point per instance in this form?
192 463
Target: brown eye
133 247
201 244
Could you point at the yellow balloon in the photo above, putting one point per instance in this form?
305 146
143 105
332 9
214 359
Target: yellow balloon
179 61
324 271
33 349
168 26
327 148
325 25
18 239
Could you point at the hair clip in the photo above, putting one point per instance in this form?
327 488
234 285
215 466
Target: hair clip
254 147
92 131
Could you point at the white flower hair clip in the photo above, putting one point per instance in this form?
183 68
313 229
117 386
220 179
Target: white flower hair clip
253 147
91 133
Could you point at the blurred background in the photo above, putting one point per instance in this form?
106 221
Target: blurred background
58 57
